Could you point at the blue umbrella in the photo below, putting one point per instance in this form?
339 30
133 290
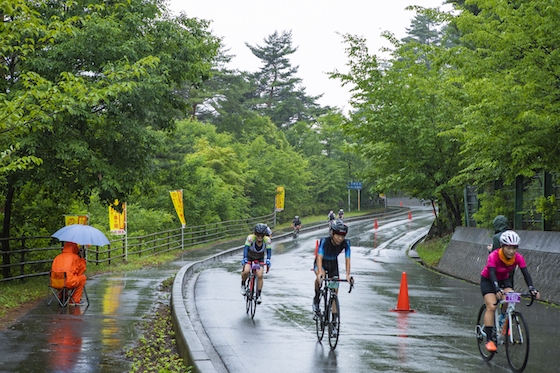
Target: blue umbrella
82 235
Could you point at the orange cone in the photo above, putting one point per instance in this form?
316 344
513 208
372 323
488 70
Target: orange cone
403 304
410 215
375 224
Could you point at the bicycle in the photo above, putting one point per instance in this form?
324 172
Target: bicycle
327 300
512 331
295 233
252 286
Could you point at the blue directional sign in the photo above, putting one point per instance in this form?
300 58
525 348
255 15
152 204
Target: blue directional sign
357 185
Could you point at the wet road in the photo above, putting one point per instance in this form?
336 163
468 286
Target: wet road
78 339
438 337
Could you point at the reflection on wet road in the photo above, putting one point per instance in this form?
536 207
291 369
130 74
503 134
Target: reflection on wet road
438 337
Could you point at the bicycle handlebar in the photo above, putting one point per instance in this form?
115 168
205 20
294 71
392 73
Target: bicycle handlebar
336 279
528 294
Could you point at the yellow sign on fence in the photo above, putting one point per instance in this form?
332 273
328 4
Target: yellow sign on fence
117 220
76 219
177 198
280 193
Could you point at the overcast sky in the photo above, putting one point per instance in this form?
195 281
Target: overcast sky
314 25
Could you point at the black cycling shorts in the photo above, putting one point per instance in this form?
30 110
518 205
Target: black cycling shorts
487 287
330 266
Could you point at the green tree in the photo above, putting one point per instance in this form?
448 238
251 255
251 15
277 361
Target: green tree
85 87
403 111
508 66
280 94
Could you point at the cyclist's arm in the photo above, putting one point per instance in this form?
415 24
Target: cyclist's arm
347 257
526 276
245 252
494 278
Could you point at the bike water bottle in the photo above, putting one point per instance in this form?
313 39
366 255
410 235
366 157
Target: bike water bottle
501 320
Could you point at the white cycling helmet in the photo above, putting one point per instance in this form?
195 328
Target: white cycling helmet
510 238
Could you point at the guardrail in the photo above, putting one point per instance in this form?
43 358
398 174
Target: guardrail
34 255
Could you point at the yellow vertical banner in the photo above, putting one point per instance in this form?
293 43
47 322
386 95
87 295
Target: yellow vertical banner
117 219
76 219
280 193
177 198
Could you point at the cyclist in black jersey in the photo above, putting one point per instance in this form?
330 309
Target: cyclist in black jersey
326 260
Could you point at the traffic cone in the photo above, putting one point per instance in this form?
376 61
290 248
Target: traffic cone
403 304
410 215
375 224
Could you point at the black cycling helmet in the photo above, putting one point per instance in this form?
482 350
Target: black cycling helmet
339 227
261 228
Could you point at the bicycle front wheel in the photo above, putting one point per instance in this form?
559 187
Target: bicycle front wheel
254 296
517 343
480 336
334 322
320 316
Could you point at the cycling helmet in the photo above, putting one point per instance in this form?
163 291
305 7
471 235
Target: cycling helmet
261 228
339 227
297 217
510 238
341 210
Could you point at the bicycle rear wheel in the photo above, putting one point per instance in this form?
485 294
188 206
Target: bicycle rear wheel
334 322
320 317
254 296
517 343
480 336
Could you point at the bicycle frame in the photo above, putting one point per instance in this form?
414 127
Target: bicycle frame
511 299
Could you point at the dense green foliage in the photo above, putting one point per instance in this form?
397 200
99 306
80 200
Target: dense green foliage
103 101
469 97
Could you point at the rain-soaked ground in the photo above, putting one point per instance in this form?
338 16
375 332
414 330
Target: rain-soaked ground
94 338
437 337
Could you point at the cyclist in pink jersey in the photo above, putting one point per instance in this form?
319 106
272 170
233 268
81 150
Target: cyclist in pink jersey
495 280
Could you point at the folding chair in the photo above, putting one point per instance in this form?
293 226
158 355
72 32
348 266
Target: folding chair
59 290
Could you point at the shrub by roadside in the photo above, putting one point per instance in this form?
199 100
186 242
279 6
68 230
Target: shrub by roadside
156 349
432 250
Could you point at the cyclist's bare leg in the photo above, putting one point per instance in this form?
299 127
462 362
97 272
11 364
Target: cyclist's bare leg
490 301
245 272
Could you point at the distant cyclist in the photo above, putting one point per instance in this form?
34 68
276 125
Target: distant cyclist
341 214
495 280
331 216
256 246
296 224
326 260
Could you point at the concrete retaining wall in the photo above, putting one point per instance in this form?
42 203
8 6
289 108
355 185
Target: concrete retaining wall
466 255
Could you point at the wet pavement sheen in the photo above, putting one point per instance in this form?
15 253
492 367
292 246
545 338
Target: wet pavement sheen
84 339
437 337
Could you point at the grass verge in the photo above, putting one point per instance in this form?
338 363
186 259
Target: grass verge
432 250
156 349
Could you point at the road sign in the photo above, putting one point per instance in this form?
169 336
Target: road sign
357 185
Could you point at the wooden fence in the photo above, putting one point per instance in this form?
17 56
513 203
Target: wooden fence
32 256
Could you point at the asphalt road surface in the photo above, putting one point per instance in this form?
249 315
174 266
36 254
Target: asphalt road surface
437 337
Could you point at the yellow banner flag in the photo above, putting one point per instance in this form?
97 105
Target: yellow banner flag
117 219
280 192
76 219
177 198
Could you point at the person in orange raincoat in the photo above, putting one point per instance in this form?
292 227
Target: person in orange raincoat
70 262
